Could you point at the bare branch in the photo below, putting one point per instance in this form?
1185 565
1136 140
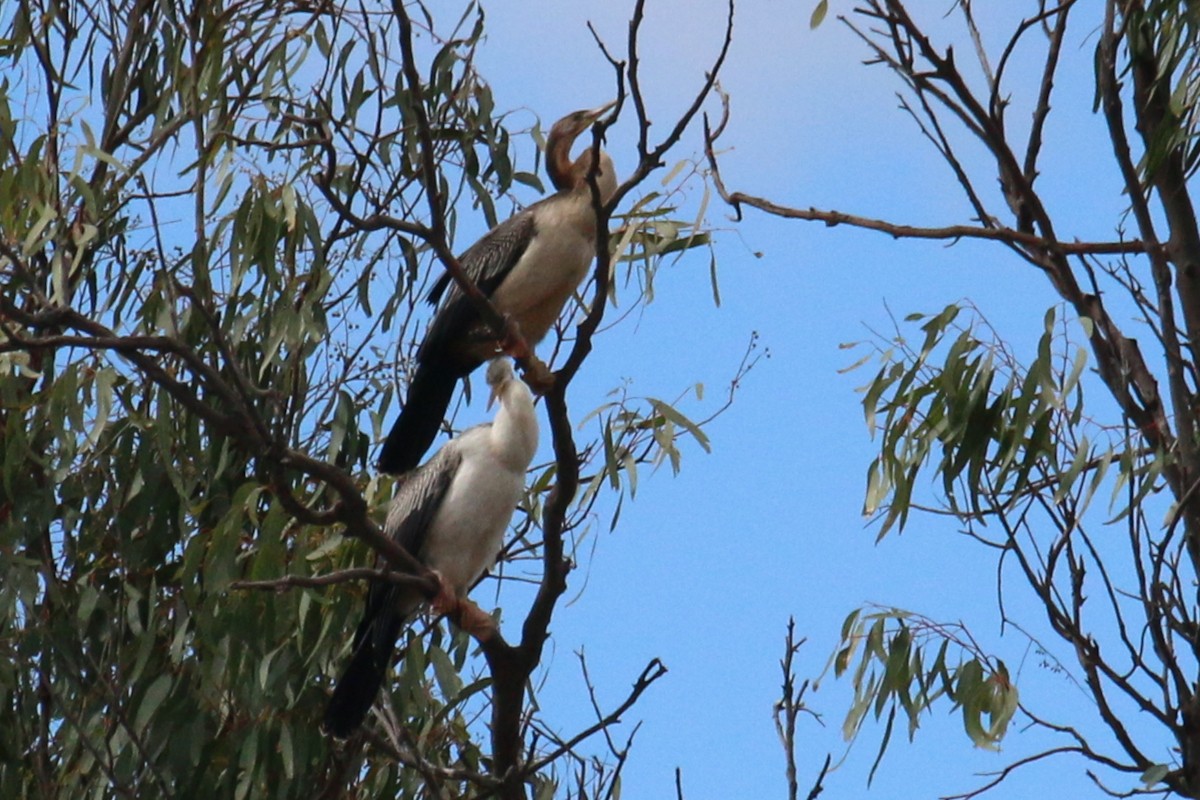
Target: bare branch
900 231
651 673
331 579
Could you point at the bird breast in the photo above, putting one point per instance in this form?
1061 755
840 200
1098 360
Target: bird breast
553 265
468 530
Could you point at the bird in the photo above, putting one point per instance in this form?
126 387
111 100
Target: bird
450 514
528 266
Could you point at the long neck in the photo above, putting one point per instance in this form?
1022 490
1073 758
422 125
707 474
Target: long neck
515 429
568 176
606 176
558 160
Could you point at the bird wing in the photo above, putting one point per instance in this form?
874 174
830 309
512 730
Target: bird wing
417 501
408 522
487 262
388 605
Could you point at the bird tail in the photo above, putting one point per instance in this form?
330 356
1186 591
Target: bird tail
416 428
363 677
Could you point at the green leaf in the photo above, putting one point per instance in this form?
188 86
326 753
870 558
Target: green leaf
673 172
818 16
448 678
673 414
1154 774
287 750
883 743
712 277
155 694
88 598
863 696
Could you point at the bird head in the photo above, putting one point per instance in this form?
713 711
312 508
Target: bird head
564 174
499 372
575 123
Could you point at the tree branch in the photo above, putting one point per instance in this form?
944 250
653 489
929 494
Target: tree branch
333 578
651 673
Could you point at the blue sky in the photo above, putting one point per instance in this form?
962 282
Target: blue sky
705 568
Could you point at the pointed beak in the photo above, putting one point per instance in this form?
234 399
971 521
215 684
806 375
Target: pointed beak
493 396
596 113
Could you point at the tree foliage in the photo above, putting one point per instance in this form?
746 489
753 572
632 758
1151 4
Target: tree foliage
218 222
1078 464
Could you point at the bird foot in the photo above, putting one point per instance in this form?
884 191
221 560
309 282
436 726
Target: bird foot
537 376
478 624
513 343
445 601
462 612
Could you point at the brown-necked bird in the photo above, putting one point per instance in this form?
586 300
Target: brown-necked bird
528 266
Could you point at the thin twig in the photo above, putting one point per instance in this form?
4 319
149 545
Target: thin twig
332 578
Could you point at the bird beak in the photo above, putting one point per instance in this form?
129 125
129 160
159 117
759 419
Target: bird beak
493 396
596 113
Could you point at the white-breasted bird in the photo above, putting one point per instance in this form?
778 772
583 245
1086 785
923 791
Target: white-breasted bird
528 266
451 515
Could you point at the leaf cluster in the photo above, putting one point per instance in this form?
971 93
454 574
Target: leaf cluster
218 223
902 662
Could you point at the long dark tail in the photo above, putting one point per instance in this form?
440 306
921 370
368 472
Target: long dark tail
363 677
419 421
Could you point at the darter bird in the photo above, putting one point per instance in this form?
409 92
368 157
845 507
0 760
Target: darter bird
528 266
451 515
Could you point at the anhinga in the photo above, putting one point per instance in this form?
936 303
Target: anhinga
451 514
528 266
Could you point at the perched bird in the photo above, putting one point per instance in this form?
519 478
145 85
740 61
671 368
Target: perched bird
451 514
528 266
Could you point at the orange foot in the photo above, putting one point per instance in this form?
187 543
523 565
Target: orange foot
513 343
538 377
478 624
462 612
445 601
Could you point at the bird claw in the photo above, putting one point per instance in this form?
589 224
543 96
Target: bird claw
445 601
478 624
462 612
513 343
537 376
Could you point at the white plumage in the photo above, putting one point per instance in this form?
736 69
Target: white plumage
488 463
451 514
